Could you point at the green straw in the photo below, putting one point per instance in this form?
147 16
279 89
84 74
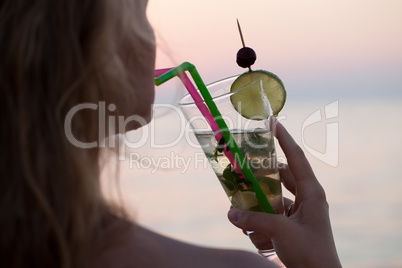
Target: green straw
248 174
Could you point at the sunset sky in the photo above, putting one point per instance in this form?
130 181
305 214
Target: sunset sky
320 49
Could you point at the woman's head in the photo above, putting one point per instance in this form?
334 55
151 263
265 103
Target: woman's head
57 55
133 50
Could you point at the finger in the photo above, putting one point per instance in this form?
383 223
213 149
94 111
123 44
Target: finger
287 178
256 221
305 180
286 201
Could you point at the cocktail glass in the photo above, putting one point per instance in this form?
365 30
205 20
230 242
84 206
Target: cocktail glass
255 138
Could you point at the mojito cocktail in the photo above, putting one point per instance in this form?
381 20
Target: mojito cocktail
233 122
253 134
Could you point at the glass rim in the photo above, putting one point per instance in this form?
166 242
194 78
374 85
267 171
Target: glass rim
190 102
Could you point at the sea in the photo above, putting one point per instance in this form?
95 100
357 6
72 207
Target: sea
354 147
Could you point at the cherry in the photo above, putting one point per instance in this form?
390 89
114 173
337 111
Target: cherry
246 57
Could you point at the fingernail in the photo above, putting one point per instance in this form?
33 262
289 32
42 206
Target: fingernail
234 215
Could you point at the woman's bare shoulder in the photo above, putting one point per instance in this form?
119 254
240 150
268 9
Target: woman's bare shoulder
144 248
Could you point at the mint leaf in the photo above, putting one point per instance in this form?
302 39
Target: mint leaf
215 156
230 179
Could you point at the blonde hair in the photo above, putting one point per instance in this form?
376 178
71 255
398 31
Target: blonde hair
55 55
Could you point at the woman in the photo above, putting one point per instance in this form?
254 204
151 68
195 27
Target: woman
57 55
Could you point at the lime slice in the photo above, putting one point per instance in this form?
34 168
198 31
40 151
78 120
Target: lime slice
244 200
250 102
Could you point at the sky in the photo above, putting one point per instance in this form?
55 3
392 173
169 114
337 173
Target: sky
345 49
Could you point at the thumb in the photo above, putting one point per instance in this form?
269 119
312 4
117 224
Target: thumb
257 221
